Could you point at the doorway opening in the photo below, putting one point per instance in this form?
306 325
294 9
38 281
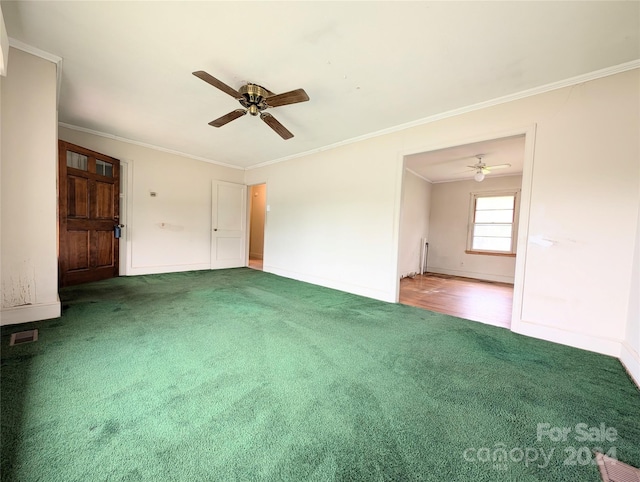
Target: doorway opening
470 265
257 216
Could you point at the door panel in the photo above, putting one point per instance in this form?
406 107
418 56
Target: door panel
78 250
88 206
104 248
228 238
228 249
231 199
77 197
104 200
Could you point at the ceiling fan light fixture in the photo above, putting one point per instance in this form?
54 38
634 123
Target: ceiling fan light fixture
479 177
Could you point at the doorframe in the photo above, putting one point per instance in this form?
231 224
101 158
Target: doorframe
126 215
529 133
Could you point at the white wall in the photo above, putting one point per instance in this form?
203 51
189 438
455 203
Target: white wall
414 222
630 354
450 204
29 200
335 214
583 216
333 217
172 231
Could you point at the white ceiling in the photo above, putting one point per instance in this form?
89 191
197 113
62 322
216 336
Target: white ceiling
454 163
367 66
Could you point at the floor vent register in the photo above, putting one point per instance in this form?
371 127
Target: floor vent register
613 471
21 337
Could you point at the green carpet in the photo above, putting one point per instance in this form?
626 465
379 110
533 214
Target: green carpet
242 375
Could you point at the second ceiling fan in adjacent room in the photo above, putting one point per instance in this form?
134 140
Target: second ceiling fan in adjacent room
482 169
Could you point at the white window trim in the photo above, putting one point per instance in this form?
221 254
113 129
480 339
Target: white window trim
514 226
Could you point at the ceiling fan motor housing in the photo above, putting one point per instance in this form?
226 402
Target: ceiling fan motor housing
253 98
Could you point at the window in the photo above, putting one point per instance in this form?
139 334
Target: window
493 223
77 161
104 168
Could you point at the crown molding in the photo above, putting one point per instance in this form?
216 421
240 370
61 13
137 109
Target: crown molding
493 176
58 61
148 146
418 175
579 79
17 44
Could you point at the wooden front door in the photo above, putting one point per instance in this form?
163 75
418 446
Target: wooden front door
88 210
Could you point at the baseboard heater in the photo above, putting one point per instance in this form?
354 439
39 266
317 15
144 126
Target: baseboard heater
424 252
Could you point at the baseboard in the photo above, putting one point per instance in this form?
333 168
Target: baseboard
604 346
631 361
28 313
140 270
333 284
467 274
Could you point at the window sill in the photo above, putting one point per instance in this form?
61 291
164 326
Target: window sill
492 253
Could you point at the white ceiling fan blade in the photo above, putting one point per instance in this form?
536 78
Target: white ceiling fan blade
498 166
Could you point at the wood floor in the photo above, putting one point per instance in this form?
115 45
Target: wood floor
255 263
485 301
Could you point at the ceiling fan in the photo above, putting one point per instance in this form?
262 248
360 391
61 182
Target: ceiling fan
482 169
254 100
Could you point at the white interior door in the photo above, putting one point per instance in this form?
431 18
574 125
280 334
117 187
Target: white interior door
228 225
